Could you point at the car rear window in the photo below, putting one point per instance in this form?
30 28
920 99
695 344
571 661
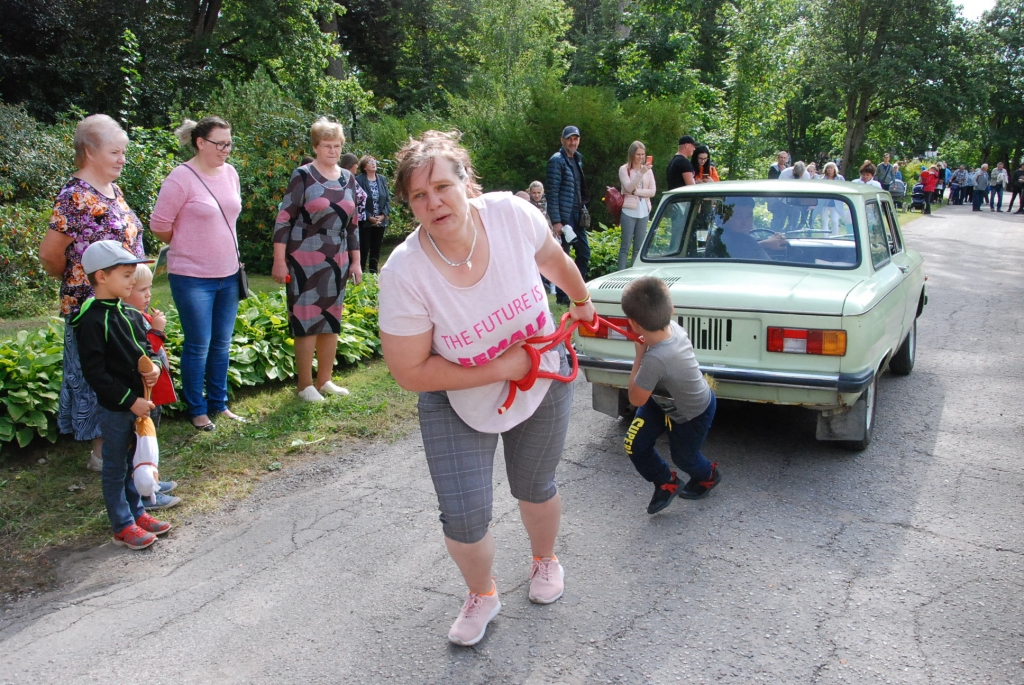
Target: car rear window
799 230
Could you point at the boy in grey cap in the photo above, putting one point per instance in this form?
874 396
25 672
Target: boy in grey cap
111 338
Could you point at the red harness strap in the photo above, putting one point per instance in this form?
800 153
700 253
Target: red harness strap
550 342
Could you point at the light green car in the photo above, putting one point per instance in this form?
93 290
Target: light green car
792 292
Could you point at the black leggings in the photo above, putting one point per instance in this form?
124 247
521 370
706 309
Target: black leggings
371 237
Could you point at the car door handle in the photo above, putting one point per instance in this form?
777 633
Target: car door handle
903 267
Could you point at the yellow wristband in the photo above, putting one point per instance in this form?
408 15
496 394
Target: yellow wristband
580 303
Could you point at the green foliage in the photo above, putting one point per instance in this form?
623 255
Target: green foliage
149 157
35 160
30 377
262 350
25 289
604 250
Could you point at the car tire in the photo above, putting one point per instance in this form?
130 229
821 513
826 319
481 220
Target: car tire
869 397
902 363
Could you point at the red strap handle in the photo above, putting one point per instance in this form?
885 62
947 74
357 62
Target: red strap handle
550 342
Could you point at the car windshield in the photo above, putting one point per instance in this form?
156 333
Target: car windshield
802 230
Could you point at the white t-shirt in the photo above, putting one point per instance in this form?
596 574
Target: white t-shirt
787 174
472 326
872 182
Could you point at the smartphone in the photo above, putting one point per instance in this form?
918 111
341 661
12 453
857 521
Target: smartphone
650 160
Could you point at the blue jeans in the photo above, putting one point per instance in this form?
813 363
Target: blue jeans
684 439
992 192
207 308
124 504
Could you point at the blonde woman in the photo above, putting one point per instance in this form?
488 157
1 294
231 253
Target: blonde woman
316 242
636 181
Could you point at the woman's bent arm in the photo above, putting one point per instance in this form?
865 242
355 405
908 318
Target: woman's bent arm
417 369
52 252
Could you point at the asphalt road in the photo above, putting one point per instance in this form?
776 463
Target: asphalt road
901 564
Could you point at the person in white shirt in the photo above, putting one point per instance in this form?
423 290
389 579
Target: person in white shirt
997 180
867 175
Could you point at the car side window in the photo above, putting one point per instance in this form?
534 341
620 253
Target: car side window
878 241
892 229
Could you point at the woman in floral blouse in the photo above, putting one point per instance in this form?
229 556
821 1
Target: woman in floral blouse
88 208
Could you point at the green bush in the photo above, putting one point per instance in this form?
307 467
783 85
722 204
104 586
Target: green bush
30 377
604 250
35 159
25 289
149 158
262 350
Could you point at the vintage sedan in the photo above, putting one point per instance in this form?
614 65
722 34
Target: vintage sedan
792 292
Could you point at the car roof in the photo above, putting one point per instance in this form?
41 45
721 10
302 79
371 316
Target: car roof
764 187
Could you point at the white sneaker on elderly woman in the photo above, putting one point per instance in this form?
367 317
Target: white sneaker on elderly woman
330 388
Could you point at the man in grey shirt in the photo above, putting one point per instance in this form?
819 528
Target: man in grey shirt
665 360
980 187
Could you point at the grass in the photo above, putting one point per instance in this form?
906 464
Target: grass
49 501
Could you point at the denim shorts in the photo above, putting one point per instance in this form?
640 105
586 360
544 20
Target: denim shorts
461 459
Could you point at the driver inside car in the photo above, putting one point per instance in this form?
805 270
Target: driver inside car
733 239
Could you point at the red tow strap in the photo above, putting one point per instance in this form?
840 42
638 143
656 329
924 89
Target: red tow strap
550 342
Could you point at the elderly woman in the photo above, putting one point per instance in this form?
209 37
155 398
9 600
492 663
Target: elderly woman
90 207
457 299
378 209
196 212
316 243
636 180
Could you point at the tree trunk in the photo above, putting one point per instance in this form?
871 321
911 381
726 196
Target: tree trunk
204 17
856 130
335 65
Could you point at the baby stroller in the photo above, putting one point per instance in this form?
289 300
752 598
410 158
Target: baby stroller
898 190
917 197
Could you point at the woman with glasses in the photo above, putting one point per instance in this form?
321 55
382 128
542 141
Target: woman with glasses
195 213
316 242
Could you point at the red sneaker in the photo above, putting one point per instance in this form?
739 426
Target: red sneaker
134 537
151 525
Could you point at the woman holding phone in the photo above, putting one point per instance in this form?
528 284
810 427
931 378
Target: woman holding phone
637 183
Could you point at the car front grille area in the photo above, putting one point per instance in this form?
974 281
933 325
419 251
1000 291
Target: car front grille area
706 332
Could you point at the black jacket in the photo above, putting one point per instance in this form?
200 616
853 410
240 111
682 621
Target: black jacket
384 197
111 337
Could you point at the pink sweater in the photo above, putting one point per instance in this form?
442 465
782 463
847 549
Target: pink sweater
202 243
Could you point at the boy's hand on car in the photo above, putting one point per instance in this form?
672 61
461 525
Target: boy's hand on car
142 407
159 320
151 377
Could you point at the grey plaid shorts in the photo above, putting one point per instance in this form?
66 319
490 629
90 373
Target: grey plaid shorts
461 459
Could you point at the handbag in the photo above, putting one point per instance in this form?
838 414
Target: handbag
630 202
243 280
613 203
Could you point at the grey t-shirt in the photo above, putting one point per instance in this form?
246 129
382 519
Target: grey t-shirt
672 365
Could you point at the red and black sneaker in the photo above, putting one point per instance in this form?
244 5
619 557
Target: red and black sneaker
150 524
663 495
695 489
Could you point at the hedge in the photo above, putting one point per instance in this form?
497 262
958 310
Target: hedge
31 364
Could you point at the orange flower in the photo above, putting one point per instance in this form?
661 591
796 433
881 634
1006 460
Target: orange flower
77 276
98 210
129 235
66 303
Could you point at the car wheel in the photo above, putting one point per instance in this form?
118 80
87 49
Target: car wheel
902 363
867 401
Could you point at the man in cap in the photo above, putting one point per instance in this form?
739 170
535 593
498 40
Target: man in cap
567 201
680 170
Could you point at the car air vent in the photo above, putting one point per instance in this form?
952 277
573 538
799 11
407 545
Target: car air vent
707 332
670 280
615 283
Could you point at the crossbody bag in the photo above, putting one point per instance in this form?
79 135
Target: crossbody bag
243 280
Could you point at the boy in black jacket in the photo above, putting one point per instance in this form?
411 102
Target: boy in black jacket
111 338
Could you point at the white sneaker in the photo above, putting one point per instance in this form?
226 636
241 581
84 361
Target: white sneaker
95 462
310 394
330 387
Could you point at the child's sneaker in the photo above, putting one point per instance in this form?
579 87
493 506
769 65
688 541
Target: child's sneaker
546 580
663 495
134 537
166 486
160 501
477 611
695 489
150 524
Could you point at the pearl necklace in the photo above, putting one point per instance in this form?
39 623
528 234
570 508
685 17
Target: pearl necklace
467 261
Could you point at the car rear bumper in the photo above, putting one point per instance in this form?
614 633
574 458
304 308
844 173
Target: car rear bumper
840 382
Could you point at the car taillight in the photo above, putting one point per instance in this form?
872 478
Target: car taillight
603 331
806 341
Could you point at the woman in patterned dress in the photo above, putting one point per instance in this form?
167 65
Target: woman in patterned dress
316 243
90 207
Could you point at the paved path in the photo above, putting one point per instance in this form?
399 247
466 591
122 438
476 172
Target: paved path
902 564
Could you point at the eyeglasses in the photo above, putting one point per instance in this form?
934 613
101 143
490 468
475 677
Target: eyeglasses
221 147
